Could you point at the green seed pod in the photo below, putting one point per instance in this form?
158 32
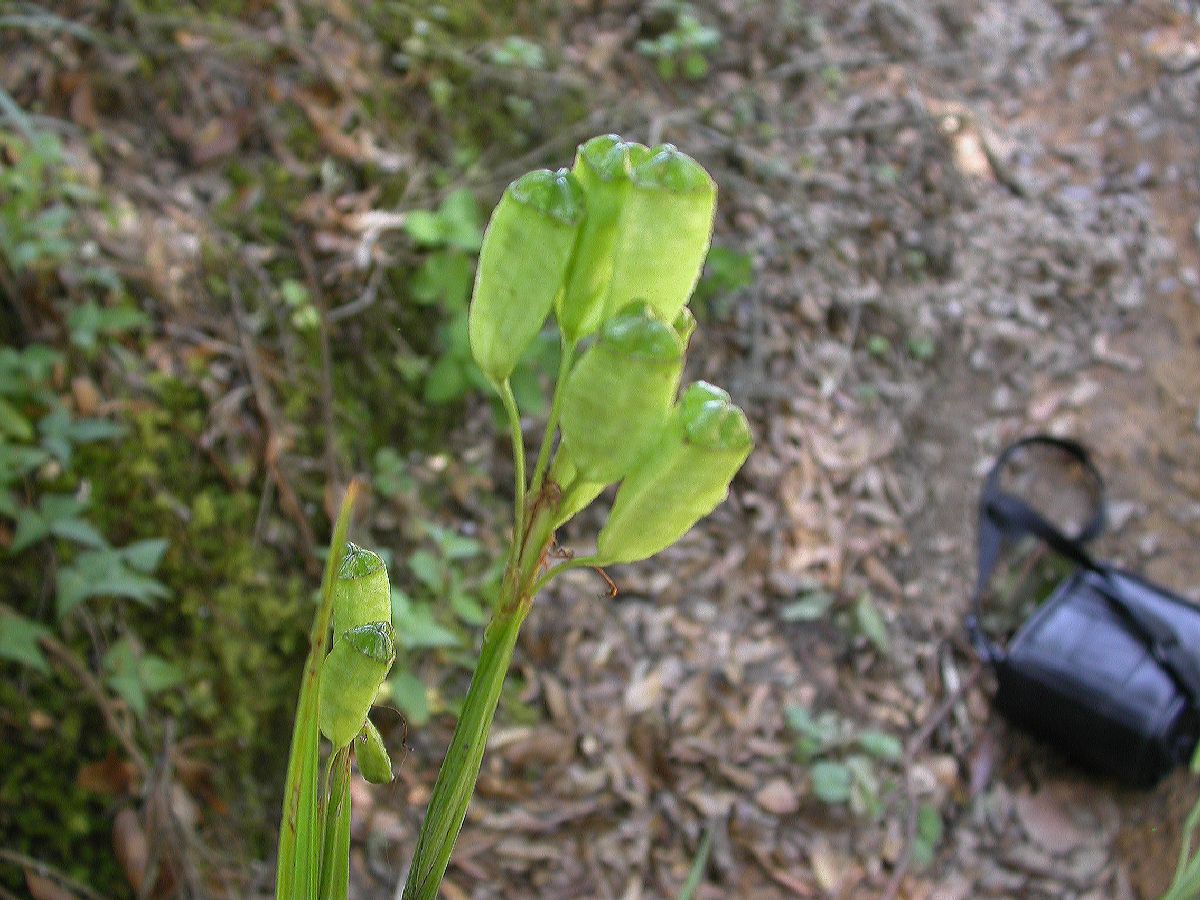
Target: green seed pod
373 760
618 396
602 167
522 267
361 593
350 678
680 481
665 226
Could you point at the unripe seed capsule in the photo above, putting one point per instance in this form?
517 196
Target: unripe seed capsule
681 480
618 396
361 593
663 235
373 760
602 167
522 267
350 678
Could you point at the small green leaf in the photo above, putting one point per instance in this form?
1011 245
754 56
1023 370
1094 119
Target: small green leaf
462 222
13 423
929 835
31 528
870 623
424 227
445 278
16 462
921 348
455 546
145 555
408 692
19 638
468 608
447 381
84 431
831 782
881 745
416 628
427 569
137 676
865 797
104 573
158 675
79 531
294 293
809 608
813 734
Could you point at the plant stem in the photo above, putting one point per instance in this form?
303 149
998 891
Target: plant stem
518 445
460 769
580 563
1187 871
335 844
297 870
566 357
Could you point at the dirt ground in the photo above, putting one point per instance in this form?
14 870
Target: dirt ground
969 221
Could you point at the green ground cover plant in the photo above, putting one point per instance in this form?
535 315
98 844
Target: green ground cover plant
613 248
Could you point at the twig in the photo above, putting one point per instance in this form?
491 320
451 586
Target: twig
266 408
48 871
364 300
915 743
327 399
12 111
817 62
89 683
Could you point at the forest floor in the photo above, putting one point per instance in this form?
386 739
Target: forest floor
967 222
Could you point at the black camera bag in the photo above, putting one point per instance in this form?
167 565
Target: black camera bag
1107 669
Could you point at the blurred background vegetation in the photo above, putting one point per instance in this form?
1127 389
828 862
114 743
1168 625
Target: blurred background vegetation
236 248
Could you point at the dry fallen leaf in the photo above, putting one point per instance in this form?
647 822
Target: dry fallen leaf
778 796
131 846
1046 819
111 776
42 888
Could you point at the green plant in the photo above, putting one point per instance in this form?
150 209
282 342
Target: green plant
451 580
1185 884
304 316
518 53
844 760
622 419
34 215
314 834
685 46
726 272
450 239
41 497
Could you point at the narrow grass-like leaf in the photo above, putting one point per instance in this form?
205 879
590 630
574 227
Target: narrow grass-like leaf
297 872
699 864
460 769
335 849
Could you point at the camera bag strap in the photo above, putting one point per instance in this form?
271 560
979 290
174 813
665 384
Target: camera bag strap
1004 517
